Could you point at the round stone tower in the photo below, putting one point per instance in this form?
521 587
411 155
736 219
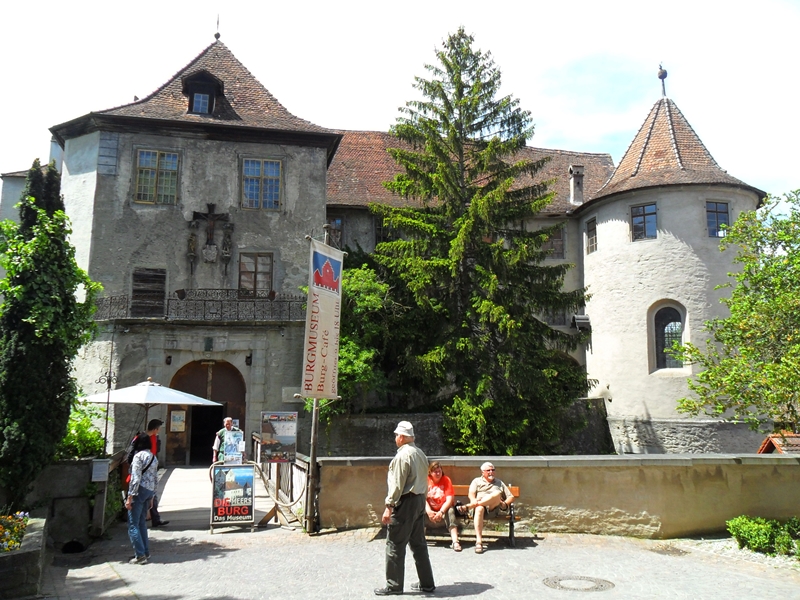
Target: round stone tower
651 265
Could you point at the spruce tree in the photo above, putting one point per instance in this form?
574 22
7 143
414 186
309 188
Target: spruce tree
466 256
42 326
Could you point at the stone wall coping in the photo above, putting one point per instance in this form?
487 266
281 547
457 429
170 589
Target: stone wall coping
626 460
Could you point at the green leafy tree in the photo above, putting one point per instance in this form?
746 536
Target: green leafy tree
503 373
751 360
42 326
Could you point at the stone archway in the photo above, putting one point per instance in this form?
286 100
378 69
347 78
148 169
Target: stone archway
219 381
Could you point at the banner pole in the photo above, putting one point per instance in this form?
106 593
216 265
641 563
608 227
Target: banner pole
311 516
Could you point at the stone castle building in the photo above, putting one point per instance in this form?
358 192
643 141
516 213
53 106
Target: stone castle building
191 207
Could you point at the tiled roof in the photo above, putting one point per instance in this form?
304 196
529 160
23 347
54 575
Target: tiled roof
785 442
362 164
667 151
246 102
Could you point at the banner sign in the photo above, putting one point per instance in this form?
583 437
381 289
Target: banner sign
321 341
232 495
278 436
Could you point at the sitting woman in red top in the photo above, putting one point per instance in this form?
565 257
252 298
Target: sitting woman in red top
441 500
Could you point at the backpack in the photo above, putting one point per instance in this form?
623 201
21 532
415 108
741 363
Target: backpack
131 451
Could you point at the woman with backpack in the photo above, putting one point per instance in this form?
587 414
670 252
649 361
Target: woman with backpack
142 488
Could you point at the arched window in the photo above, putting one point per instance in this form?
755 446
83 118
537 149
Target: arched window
669 329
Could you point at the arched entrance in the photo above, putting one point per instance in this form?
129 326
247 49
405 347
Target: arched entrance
216 380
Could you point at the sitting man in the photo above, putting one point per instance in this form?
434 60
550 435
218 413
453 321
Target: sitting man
487 494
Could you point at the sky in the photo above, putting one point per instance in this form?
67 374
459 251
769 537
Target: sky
586 70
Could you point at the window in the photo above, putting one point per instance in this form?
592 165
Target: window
261 184
156 177
591 236
336 230
716 216
643 222
556 317
201 90
200 103
147 292
555 243
668 329
383 233
255 274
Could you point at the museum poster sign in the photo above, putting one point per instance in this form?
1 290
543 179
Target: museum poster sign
278 436
232 494
321 341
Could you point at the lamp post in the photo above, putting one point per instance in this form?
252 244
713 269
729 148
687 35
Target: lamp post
108 378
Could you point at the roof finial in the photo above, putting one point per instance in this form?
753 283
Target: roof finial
662 75
216 35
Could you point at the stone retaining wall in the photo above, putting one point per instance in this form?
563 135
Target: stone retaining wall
21 570
649 496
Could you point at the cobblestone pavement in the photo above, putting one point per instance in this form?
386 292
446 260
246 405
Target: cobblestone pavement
279 563
276 562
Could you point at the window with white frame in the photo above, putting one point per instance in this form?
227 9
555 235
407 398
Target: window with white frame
201 103
261 184
643 222
716 216
255 274
591 236
156 177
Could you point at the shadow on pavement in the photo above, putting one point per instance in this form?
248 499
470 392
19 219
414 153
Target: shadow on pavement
461 589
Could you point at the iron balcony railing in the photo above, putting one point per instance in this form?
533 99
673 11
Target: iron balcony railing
206 305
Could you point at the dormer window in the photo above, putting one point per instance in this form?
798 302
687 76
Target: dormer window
200 104
202 90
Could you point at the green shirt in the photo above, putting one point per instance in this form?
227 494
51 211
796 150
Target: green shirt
408 473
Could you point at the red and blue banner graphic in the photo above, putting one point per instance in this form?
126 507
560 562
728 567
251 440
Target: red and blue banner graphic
321 350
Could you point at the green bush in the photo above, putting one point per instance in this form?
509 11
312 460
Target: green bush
765 535
793 527
83 439
784 544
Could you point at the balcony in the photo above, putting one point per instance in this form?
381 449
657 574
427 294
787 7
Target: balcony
205 305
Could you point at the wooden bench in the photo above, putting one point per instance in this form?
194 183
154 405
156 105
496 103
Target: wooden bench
462 491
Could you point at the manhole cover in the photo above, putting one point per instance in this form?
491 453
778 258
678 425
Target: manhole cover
578 583
668 549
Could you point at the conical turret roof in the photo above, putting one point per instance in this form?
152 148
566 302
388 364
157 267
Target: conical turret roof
667 151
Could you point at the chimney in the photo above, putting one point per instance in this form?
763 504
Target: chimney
576 184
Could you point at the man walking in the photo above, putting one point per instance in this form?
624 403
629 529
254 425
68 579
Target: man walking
404 514
219 440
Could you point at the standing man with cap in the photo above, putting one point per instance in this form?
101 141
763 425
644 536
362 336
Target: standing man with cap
404 514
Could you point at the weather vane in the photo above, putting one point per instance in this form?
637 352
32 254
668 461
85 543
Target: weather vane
216 35
662 75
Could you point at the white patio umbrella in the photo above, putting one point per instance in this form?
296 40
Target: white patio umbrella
148 394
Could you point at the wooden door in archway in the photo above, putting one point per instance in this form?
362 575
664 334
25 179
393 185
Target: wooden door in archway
219 381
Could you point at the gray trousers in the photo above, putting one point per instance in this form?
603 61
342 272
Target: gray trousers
407 528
